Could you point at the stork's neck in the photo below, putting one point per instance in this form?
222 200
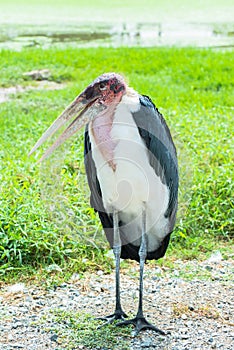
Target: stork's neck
101 129
102 125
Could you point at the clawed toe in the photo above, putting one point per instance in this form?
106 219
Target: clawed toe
140 323
111 318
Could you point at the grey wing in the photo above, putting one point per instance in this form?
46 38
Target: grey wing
91 173
161 150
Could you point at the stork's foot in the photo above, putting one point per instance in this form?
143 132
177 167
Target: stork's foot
140 323
117 315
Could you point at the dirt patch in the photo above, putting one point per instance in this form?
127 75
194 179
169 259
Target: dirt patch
7 93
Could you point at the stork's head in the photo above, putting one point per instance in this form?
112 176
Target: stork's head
108 88
104 92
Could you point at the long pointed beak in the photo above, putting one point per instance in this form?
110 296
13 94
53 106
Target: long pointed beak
88 110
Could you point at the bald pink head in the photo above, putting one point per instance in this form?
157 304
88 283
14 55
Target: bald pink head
107 88
104 93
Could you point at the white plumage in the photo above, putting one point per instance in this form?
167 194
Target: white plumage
133 181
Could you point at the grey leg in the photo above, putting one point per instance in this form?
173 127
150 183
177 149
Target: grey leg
117 252
119 314
139 321
142 255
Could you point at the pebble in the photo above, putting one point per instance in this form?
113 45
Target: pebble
215 257
41 74
10 337
54 337
184 336
17 325
17 346
146 343
27 320
16 288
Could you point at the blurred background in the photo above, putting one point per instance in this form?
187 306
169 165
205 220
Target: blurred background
129 23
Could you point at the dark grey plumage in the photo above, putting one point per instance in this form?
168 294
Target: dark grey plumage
163 159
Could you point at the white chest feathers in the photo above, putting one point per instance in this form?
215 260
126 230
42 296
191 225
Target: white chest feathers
133 181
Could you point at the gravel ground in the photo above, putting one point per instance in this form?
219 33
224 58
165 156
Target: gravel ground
196 313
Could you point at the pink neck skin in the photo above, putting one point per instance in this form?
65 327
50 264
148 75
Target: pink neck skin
101 128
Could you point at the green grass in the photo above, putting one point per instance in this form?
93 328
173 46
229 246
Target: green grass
75 328
45 217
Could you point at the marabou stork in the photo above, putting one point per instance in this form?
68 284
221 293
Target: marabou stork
132 172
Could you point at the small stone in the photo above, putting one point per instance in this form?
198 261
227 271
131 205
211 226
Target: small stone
184 317
54 337
147 343
16 288
215 257
158 270
41 74
184 336
17 346
10 337
53 268
75 292
184 330
208 267
17 325
75 277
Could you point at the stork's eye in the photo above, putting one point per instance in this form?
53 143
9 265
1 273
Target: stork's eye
102 86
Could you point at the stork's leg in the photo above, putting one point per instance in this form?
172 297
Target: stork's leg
139 321
119 314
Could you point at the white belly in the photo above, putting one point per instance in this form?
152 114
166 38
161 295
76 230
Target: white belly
133 182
